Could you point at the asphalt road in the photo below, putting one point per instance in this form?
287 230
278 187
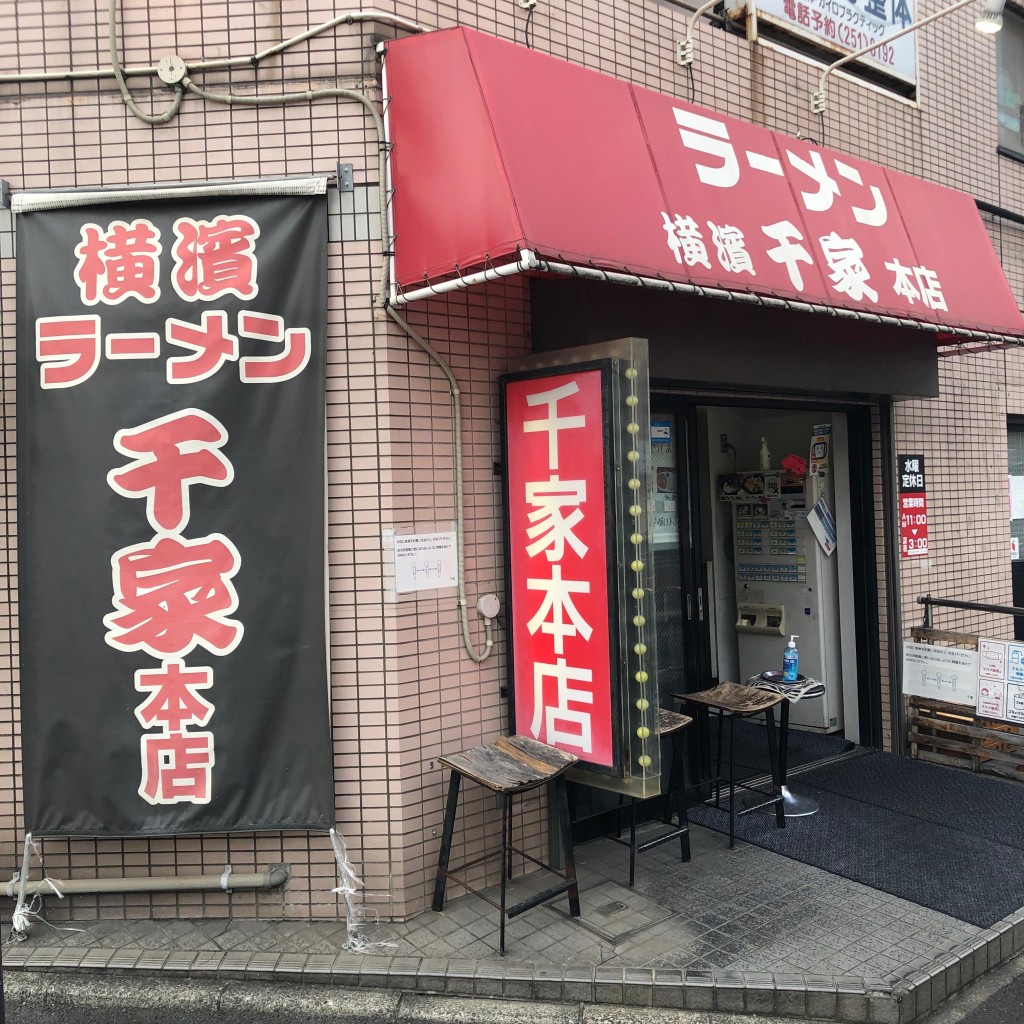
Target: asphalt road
997 998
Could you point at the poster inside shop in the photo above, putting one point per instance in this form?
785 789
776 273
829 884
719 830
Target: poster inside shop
665 517
760 486
823 525
821 437
171 513
1016 497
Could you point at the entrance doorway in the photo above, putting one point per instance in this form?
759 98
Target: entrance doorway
739 568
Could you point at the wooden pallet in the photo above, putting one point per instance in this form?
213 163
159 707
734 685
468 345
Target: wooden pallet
952 734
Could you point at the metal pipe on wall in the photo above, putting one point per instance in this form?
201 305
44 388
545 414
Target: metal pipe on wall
226 882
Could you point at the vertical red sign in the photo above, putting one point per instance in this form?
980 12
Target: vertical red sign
913 507
558 535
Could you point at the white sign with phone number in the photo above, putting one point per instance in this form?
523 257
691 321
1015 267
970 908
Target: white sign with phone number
846 27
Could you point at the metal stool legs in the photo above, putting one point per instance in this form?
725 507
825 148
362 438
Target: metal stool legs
677 785
441 881
776 771
677 792
557 793
774 761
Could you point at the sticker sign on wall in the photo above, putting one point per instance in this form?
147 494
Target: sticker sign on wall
992 655
1001 680
913 507
995 672
817 463
425 561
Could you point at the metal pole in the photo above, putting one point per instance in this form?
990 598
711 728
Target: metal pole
972 606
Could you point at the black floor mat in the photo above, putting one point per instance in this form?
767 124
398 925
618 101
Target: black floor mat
752 747
942 838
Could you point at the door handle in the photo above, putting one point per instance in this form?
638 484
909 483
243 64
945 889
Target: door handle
700 604
689 607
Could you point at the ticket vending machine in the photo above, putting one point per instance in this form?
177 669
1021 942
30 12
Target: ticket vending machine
786 583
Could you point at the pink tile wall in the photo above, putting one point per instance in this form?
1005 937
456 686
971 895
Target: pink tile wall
962 435
402 691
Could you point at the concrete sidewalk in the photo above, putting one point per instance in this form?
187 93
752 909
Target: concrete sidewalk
732 932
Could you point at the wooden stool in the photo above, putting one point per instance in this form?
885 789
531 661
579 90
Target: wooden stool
669 724
737 701
508 766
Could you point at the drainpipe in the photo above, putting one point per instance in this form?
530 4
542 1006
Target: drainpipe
227 881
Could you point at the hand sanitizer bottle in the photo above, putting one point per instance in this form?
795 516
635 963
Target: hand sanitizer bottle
790 657
765 455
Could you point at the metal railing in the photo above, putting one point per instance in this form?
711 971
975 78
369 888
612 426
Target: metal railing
930 602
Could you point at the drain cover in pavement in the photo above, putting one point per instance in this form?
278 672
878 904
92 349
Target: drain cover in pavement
612 911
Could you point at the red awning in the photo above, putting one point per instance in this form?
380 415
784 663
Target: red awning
503 159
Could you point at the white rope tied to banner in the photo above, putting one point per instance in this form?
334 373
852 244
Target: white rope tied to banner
20 920
351 883
27 911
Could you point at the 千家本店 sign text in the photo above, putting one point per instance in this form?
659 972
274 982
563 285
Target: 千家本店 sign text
557 479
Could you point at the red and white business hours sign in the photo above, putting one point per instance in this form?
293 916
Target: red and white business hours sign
557 483
913 507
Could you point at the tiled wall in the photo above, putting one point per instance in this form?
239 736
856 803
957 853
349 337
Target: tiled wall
403 691
962 436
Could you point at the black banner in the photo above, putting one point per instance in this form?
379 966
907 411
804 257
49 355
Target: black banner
171 516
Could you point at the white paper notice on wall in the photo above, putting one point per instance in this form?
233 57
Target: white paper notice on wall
422 561
1017 497
948 674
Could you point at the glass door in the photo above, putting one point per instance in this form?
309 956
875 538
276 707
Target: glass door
680 615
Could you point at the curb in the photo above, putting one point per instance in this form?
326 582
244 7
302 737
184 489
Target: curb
97 999
922 987
821 997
